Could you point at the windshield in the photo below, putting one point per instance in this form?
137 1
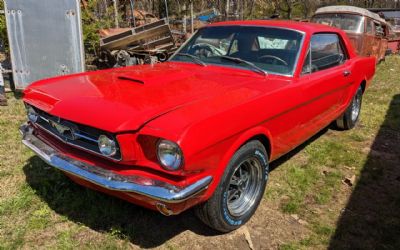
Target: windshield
273 50
346 22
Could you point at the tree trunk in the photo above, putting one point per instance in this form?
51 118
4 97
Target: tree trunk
227 9
116 13
251 8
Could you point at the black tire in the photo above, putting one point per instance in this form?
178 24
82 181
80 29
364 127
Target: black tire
216 212
350 117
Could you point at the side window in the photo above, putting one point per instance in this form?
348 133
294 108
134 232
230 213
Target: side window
326 51
369 27
379 29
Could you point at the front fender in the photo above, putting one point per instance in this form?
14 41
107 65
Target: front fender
235 144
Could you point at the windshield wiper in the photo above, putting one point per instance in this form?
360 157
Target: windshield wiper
195 58
239 60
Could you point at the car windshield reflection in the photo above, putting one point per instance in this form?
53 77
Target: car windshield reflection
347 22
274 50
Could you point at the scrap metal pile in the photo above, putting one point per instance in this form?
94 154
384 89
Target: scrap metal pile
150 40
149 43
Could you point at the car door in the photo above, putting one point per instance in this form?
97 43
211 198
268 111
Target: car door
371 41
326 78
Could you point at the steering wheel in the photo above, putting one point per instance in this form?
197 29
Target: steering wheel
206 50
275 58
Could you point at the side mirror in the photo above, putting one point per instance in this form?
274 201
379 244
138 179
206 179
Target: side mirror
341 57
337 59
308 69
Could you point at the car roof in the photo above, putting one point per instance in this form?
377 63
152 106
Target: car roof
350 10
306 27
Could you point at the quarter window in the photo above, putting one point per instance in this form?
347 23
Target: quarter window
307 65
369 27
379 29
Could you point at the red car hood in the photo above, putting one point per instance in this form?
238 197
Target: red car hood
125 99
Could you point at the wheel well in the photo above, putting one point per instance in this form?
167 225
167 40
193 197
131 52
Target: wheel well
265 142
363 85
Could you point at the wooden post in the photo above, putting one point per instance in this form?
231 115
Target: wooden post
191 17
227 9
166 10
184 19
133 19
242 2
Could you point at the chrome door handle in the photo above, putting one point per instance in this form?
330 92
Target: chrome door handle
346 72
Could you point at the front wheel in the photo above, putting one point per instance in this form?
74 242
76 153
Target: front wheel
350 117
240 190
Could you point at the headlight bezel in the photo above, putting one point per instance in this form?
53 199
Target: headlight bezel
112 143
177 162
33 116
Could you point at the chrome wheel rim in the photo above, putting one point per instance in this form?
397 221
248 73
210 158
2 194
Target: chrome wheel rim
356 107
244 186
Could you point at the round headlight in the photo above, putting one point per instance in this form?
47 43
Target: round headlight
32 115
169 154
107 146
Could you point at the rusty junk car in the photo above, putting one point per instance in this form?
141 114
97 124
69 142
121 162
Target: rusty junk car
392 17
367 31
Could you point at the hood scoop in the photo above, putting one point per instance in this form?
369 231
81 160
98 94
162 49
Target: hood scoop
129 78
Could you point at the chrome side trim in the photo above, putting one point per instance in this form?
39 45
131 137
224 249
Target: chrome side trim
85 137
141 185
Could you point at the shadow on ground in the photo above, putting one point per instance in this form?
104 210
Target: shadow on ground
103 213
371 219
281 160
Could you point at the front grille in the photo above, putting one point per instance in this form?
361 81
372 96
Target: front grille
78 135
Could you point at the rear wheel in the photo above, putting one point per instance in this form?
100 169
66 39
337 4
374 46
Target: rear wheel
350 117
240 190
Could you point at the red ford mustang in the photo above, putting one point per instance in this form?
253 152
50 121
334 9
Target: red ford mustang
202 128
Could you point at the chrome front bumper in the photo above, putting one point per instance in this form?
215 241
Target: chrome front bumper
151 188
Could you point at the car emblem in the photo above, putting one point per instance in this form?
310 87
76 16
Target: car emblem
64 131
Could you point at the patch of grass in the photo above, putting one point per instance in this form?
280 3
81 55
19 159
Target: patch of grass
17 239
331 158
324 230
358 136
40 218
301 180
22 201
288 246
65 240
